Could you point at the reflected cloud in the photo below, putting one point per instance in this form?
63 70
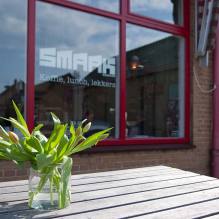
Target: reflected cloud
88 35
164 10
109 5
13 16
139 36
148 5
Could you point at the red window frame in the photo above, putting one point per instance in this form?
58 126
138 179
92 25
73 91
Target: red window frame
124 17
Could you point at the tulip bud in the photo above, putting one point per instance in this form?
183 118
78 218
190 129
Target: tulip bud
13 137
87 127
83 121
78 131
3 133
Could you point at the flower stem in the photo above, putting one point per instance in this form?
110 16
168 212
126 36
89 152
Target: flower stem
38 189
51 190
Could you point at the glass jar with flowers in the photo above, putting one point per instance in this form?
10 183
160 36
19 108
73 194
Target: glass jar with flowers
49 157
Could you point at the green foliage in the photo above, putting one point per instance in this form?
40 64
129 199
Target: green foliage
45 154
41 151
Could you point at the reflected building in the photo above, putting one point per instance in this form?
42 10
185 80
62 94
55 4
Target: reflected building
152 89
13 92
74 99
152 103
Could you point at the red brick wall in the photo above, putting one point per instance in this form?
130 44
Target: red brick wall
197 159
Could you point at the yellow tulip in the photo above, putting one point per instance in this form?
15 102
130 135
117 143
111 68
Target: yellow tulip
13 137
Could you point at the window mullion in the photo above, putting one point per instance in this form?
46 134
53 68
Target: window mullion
123 5
29 105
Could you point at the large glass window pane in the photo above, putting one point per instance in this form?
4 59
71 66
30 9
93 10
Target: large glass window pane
165 10
13 22
77 68
108 5
155 83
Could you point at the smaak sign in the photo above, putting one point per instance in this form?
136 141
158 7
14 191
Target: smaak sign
81 62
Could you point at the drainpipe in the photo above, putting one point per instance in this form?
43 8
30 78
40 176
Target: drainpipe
215 151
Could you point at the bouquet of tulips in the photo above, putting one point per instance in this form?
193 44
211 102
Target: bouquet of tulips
46 154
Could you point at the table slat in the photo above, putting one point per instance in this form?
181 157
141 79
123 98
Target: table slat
155 192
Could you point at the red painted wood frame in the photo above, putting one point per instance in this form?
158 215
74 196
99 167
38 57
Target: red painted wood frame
124 17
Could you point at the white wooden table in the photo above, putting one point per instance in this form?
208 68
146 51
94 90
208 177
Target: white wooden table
150 192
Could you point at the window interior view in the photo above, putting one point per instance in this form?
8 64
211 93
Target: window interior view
154 83
127 75
77 68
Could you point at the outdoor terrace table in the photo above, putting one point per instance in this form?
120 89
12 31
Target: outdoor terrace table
150 192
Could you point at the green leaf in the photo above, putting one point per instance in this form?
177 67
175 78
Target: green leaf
3 133
41 137
56 120
3 156
37 128
55 138
13 154
17 125
35 144
27 148
23 150
62 147
4 143
43 160
20 118
89 142
72 129
104 136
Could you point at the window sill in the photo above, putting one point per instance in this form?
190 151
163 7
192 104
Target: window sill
118 148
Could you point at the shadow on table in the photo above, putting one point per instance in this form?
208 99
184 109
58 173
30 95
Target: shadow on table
20 210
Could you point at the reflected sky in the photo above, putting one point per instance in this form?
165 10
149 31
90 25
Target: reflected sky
66 29
12 41
158 9
108 5
139 36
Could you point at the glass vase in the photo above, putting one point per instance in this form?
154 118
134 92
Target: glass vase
50 187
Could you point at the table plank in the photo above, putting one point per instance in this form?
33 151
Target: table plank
195 211
95 175
105 186
129 209
77 197
124 171
152 191
213 215
145 207
85 181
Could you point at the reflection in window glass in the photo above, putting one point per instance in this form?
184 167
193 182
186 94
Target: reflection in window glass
165 10
108 5
76 67
12 56
155 83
